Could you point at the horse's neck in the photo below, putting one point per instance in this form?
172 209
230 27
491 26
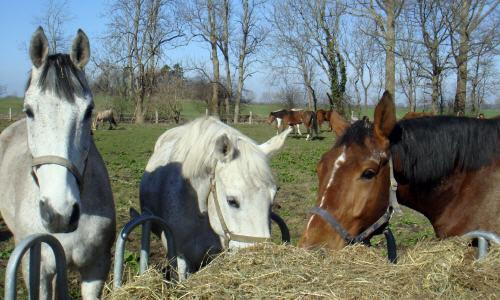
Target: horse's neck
457 205
202 187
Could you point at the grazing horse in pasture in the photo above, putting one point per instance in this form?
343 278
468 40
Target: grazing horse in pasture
52 176
104 116
294 117
214 188
446 168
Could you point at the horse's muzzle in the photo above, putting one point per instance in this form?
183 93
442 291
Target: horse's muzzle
55 222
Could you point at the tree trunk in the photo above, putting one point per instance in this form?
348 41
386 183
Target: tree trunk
214 104
461 93
239 92
390 66
461 59
435 92
229 86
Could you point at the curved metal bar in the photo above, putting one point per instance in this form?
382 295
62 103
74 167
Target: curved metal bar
33 243
285 233
482 241
143 219
391 246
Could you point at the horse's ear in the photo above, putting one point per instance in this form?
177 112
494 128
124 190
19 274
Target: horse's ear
338 123
275 143
224 148
80 51
385 115
39 47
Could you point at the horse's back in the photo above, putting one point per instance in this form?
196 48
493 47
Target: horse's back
14 158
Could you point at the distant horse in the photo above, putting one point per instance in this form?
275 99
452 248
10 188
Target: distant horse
52 177
414 114
214 188
277 116
104 116
323 116
295 117
447 168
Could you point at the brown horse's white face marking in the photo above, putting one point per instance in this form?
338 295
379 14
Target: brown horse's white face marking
353 179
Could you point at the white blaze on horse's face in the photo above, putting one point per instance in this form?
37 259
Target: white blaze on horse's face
58 106
245 198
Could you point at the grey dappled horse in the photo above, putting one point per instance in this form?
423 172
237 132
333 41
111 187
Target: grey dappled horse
52 178
213 186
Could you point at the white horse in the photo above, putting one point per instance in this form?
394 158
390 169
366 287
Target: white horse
52 178
214 188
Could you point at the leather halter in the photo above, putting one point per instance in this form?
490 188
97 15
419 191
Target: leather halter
379 227
364 236
227 233
60 161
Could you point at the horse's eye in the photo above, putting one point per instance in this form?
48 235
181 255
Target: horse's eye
29 112
233 202
368 174
88 113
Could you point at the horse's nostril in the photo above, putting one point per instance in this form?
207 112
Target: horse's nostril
75 214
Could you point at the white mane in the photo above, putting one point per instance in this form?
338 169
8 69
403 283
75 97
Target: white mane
193 145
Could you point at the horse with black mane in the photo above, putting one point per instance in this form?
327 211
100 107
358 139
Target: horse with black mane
294 117
447 168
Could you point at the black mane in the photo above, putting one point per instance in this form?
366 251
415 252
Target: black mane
431 148
356 133
61 76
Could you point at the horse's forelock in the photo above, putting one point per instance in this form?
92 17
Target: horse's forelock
61 76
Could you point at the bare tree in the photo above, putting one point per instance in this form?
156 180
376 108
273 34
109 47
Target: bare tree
384 14
144 28
320 20
202 18
410 54
53 19
360 52
427 15
251 38
463 19
482 73
292 45
223 42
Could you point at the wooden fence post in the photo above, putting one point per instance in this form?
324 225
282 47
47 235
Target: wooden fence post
10 114
206 111
250 118
156 116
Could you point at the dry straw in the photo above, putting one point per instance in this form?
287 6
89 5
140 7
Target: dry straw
431 269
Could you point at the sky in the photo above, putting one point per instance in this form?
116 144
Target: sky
18 22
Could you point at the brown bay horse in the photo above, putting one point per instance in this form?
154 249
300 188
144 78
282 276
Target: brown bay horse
323 116
447 168
294 117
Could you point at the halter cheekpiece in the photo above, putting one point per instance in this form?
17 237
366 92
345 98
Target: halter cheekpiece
227 233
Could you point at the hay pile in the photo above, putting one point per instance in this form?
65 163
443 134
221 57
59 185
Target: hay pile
428 270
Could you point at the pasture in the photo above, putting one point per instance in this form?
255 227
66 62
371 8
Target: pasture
127 149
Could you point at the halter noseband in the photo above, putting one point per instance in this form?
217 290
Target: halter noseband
227 233
379 227
61 161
